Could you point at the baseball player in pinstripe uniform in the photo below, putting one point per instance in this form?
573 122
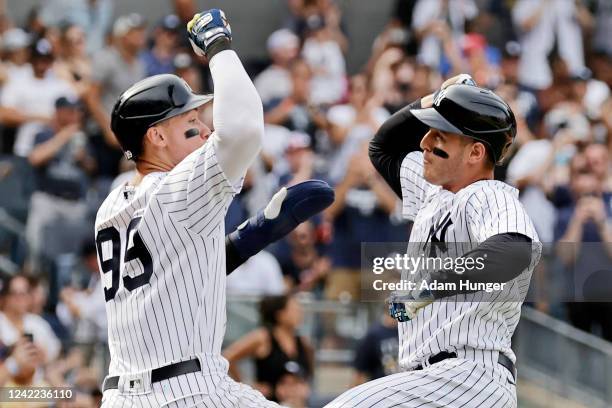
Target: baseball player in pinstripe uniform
160 238
438 154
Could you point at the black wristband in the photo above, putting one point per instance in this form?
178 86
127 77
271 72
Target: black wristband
220 44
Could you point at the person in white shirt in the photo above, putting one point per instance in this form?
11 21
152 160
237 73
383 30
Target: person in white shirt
275 81
29 101
541 24
352 123
324 56
260 275
15 44
433 20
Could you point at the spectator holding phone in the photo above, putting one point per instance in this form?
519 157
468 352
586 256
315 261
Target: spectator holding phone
583 233
17 360
16 323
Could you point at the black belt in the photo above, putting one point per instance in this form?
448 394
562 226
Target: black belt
161 373
502 360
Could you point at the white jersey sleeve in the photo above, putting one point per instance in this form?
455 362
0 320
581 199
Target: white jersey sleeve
492 211
414 186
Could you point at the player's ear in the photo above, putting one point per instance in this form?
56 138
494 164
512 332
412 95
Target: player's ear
155 137
478 153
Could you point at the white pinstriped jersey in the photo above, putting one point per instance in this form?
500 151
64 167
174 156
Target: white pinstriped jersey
161 249
472 215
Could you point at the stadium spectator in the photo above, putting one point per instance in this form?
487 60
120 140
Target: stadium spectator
352 123
40 306
324 56
482 60
15 43
16 322
509 65
276 346
542 25
299 159
304 267
61 158
34 24
292 388
185 67
73 63
296 111
602 13
275 81
376 353
583 232
397 79
527 172
159 59
93 16
300 11
598 160
590 93
82 309
17 361
117 67
71 371
28 101
440 26
360 213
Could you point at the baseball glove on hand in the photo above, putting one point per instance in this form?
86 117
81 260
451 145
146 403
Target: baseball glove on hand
207 27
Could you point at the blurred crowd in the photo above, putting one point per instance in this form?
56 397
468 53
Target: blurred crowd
62 69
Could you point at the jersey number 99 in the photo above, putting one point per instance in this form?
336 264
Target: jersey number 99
138 251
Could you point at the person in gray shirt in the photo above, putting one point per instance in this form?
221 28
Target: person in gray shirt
117 67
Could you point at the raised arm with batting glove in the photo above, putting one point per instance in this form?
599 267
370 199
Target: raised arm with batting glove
237 111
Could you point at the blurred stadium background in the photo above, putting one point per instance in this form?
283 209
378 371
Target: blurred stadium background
329 73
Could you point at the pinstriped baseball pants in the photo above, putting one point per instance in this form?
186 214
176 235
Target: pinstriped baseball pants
453 383
191 390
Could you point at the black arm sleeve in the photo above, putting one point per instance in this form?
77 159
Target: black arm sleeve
232 257
504 257
398 136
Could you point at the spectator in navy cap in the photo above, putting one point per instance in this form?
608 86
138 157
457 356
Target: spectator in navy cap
159 58
63 163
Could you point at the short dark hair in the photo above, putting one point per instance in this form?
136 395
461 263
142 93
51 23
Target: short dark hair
269 308
6 284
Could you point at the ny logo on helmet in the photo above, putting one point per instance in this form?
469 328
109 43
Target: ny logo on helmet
439 96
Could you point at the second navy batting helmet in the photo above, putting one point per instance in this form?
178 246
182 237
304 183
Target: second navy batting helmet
474 112
147 103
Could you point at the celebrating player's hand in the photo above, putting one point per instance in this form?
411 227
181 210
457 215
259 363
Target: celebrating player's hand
207 27
466 79
459 79
405 308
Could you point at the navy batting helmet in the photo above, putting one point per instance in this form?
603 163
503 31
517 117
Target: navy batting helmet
147 103
474 112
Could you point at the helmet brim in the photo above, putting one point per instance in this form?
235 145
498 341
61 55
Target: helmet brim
195 102
433 119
